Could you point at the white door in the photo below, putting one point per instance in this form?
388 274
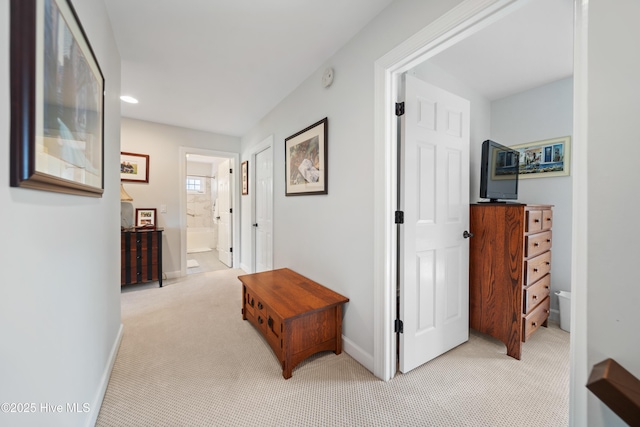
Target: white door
263 224
434 291
224 210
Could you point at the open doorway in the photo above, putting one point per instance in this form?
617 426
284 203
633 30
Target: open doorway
434 39
207 232
208 210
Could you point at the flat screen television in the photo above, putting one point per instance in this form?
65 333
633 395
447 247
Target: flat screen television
498 172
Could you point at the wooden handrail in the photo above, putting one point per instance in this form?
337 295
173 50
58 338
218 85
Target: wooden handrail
618 388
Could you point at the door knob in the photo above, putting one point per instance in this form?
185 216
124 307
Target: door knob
466 234
255 225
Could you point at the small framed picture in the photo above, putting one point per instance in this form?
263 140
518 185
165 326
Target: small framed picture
146 218
542 159
306 160
134 167
245 178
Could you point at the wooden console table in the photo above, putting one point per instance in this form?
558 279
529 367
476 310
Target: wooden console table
297 316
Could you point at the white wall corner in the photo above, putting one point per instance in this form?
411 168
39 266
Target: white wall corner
96 404
360 356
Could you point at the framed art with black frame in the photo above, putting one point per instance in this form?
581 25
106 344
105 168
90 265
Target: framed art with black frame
57 101
306 170
245 178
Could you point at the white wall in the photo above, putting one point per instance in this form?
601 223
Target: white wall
162 143
60 258
329 238
613 289
542 113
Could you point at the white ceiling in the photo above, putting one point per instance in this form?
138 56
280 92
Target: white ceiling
530 47
221 65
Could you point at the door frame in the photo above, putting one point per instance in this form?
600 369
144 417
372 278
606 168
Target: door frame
235 201
263 145
459 23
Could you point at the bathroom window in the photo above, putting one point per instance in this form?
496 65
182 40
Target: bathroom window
195 184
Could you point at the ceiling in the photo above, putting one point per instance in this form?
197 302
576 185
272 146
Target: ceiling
530 47
220 65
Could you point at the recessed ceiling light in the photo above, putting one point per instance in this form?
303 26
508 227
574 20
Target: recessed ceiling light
129 99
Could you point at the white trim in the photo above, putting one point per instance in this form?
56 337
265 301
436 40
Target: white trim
255 150
104 380
579 369
235 196
355 351
459 23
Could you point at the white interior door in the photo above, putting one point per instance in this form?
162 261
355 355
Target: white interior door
434 291
263 224
224 210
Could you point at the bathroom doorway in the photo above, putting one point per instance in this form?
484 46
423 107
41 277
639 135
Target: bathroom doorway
207 205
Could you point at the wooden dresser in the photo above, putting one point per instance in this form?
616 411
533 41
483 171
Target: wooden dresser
141 256
297 316
510 271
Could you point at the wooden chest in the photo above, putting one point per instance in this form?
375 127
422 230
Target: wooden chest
141 256
509 271
297 316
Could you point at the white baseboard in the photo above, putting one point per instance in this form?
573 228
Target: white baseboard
245 268
554 315
104 381
172 274
361 356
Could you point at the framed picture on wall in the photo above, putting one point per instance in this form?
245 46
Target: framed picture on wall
57 101
146 218
134 167
542 159
245 177
306 160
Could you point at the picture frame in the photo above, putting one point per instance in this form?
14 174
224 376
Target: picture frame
57 101
134 167
245 177
146 218
544 159
306 168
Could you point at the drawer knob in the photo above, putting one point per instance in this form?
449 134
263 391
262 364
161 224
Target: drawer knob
260 305
270 322
534 297
252 302
534 324
536 220
535 270
548 240
260 320
536 244
548 263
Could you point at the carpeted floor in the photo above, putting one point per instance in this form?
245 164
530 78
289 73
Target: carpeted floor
188 359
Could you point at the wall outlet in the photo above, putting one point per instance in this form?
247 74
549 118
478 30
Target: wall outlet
163 208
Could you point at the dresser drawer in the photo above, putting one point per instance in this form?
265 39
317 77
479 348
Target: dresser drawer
535 319
249 302
536 268
536 293
534 221
274 334
537 243
547 219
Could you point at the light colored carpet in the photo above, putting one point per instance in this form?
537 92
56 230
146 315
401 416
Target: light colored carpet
188 359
